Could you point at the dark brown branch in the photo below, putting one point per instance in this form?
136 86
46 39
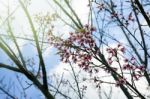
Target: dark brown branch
10 67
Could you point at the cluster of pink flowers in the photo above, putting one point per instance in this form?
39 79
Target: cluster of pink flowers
83 38
113 53
130 65
137 70
101 6
77 48
114 15
130 17
120 81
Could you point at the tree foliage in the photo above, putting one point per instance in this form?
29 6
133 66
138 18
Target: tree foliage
114 42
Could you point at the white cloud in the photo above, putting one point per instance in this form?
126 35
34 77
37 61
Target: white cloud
91 92
47 52
82 9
